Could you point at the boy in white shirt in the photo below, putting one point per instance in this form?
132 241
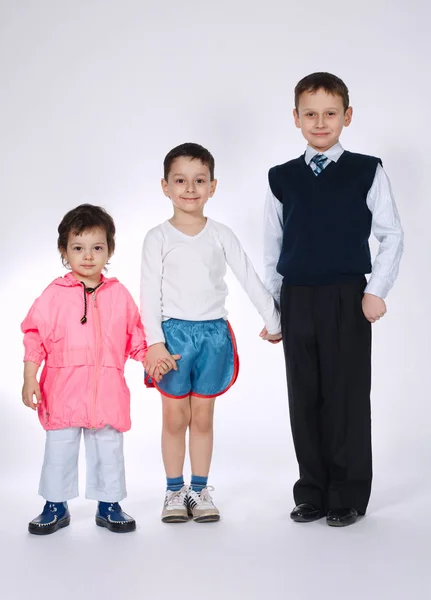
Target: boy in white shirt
183 310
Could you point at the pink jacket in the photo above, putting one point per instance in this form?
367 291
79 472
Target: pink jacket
82 382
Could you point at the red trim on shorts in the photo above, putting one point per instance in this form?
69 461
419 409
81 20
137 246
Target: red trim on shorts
235 368
170 395
153 384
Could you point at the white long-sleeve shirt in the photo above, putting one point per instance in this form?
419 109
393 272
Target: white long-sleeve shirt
385 226
182 277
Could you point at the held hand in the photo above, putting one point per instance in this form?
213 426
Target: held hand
163 367
158 375
158 357
273 338
29 390
373 307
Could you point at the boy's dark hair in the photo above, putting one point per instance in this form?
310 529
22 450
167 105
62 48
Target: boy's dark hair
190 150
82 218
323 81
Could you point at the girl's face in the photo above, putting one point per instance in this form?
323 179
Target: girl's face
87 255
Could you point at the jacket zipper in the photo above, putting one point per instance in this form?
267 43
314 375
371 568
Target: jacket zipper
97 366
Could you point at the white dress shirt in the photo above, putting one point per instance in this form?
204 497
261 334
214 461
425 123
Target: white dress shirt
182 277
386 227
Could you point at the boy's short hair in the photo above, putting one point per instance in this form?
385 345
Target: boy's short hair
189 150
82 218
322 81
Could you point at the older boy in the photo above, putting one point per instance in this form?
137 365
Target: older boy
320 211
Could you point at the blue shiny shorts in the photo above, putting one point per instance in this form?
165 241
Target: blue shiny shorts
209 361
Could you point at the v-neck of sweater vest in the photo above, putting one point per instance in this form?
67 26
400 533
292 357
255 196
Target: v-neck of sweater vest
328 172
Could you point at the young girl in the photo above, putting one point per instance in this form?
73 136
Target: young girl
84 326
183 309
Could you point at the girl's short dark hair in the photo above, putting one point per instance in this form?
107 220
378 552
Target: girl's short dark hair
322 81
190 150
82 218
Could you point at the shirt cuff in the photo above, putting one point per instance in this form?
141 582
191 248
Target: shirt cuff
274 326
378 288
155 340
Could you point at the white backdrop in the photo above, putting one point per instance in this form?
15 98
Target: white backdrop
93 94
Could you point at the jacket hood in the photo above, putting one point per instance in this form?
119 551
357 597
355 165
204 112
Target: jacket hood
70 281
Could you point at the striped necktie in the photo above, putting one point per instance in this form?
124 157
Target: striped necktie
319 160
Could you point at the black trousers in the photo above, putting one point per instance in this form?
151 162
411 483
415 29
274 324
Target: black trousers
327 347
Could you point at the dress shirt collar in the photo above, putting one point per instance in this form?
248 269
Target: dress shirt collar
333 153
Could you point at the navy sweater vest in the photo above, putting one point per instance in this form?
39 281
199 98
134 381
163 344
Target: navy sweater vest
326 220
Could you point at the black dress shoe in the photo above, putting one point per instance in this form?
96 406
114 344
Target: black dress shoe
305 513
341 517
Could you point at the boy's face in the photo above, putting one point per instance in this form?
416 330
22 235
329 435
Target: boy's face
189 185
321 118
87 254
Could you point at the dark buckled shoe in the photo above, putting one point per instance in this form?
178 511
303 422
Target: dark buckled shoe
55 515
110 515
342 517
306 513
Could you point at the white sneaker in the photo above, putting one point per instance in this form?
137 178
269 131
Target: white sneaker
201 506
175 506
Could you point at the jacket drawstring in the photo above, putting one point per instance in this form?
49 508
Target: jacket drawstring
87 290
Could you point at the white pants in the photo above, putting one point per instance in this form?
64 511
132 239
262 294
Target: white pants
106 480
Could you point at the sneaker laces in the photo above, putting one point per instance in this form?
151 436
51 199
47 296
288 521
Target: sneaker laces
203 497
176 498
